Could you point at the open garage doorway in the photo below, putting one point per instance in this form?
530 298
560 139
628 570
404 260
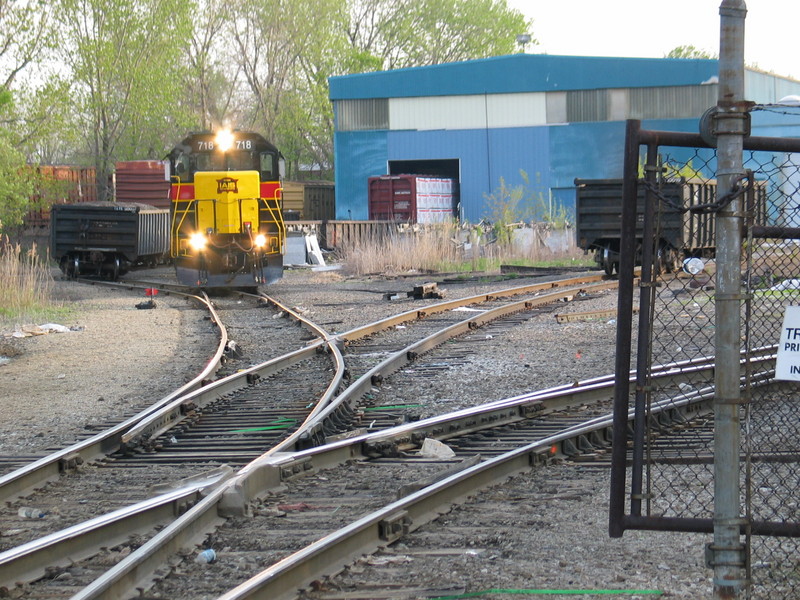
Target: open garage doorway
449 168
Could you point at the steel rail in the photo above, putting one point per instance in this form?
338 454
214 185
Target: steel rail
416 314
269 471
333 552
154 424
29 561
168 416
48 468
234 498
346 402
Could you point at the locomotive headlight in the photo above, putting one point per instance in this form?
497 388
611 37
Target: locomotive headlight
197 241
224 140
260 241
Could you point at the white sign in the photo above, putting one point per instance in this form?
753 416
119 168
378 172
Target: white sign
787 366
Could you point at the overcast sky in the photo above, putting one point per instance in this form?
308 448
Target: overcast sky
651 29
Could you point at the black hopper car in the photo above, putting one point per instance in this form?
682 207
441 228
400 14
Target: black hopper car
682 233
107 239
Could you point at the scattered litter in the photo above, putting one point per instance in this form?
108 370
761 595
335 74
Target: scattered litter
206 557
388 560
313 251
786 284
26 512
297 506
419 292
54 328
11 532
432 448
31 330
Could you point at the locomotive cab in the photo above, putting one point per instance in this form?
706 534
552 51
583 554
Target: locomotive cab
227 224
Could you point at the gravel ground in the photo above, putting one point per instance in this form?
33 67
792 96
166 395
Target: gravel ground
56 386
114 359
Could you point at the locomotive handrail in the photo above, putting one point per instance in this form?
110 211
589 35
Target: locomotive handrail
277 216
175 239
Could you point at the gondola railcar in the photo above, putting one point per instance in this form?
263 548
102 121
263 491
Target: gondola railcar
681 234
107 239
227 227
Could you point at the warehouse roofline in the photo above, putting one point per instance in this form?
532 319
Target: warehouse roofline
523 73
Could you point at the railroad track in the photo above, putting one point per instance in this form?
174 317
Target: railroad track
313 526
235 496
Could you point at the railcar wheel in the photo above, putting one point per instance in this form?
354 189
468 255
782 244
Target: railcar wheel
667 259
608 261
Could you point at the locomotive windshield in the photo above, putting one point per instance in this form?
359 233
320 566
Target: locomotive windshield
200 152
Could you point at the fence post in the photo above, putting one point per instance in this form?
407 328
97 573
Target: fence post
727 554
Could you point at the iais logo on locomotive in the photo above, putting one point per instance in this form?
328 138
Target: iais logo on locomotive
227 184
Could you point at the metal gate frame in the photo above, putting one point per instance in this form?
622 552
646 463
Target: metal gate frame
620 520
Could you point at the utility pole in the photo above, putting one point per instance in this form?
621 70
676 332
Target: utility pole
727 553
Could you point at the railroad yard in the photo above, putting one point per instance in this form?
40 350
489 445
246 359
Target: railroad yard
543 530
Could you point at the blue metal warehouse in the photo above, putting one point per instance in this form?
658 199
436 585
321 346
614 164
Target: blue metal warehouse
551 118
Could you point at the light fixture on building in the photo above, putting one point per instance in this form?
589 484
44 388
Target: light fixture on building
523 39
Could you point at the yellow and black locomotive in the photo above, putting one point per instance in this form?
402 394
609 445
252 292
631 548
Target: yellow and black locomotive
227 226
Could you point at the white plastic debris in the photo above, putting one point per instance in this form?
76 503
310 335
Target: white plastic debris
432 448
206 557
786 284
31 330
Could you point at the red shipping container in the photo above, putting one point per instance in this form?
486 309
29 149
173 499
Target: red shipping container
76 184
143 181
411 198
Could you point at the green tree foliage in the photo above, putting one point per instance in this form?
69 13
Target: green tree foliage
508 206
16 185
689 52
410 33
124 79
25 32
25 36
125 75
209 80
285 50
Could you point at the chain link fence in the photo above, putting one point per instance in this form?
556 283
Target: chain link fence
669 470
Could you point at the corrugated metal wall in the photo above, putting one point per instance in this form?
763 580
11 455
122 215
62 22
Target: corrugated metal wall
524 110
357 115
671 102
764 88
468 112
498 122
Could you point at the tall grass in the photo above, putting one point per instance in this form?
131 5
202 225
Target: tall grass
446 248
426 249
25 283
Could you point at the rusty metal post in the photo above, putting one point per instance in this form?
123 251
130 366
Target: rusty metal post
727 554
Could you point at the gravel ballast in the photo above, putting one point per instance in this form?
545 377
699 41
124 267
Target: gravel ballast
116 357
